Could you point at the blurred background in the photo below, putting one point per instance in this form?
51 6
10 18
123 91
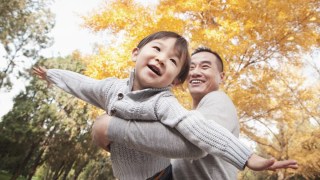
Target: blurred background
271 50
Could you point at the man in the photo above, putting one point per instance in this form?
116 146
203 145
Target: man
206 73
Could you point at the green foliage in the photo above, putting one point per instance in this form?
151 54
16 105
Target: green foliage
6 176
48 128
24 28
98 169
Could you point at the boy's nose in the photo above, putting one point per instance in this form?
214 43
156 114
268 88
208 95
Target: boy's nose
160 59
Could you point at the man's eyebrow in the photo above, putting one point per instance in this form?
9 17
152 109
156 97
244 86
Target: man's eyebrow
202 62
206 62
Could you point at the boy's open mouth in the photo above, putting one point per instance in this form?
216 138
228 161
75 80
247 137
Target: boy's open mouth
155 69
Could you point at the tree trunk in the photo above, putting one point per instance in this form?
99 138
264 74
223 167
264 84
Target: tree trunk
67 170
17 171
35 165
79 169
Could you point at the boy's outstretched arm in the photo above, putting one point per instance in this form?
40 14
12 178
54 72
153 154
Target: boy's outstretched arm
255 162
88 89
258 163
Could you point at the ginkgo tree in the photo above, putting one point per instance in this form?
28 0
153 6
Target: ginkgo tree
263 44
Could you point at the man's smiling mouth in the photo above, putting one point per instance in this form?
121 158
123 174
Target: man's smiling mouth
155 69
195 81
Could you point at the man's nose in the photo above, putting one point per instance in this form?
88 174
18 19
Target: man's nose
195 71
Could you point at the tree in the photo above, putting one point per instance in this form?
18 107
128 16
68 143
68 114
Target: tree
27 126
24 28
263 45
52 127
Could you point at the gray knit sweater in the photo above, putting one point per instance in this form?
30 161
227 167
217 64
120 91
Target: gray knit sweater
142 136
115 96
218 106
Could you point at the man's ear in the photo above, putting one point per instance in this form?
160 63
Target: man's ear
134 54
222 76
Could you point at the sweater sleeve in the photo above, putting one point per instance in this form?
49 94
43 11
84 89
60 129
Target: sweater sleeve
214 139
208 135
152 137
90 90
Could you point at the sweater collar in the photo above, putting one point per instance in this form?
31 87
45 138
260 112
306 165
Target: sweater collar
130 85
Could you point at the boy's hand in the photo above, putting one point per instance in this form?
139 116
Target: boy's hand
284 164
258 163
41 72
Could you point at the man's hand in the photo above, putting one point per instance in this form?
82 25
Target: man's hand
100 131
258 163
41 72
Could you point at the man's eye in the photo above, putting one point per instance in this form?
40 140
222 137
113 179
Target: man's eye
173 61
205 67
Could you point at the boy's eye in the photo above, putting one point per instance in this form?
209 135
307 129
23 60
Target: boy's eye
173 61
157 48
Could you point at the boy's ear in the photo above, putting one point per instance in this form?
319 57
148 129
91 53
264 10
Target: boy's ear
134 54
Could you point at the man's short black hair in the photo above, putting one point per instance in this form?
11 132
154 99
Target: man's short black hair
206 49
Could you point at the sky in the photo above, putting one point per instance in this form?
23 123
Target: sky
68 36
68 33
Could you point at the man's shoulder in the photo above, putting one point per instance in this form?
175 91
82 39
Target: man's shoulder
215 94
216 97
218 106
217 100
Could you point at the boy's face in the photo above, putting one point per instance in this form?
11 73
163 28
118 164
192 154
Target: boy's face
157 64
204 75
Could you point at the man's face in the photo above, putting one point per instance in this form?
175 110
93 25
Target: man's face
204 75
157 64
